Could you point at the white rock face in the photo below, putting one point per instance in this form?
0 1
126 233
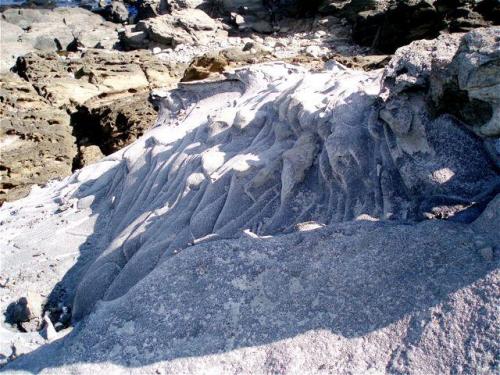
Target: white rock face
247 233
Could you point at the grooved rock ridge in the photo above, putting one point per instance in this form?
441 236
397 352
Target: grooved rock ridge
274 221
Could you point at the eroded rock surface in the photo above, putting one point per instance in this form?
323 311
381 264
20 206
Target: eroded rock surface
185 26
114 123
456 73
36 139
389 24
68 81
277 220
103 95
26 30
205 66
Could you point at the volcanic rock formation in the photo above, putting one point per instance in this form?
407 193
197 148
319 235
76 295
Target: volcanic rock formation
277 221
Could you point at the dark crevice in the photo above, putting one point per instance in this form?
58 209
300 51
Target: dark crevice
110 127
473 112
58 307
86 130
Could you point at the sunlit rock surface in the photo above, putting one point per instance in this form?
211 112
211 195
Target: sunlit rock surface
276 222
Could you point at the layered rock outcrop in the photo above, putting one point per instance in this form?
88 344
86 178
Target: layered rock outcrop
66 103
72 80
96 85
36 139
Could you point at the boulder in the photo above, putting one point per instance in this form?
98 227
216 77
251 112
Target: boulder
35 111
251 52
117 12
187 26
185 4
133 38
365 62
458 73
25 30
258 23
211 64
151 8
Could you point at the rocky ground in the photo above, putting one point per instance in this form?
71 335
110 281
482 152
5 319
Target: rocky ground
70 56
102 91
258 193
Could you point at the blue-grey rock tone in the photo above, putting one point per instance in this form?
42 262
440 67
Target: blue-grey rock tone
284 221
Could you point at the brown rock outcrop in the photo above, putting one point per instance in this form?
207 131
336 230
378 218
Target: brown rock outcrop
100 97
35 139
